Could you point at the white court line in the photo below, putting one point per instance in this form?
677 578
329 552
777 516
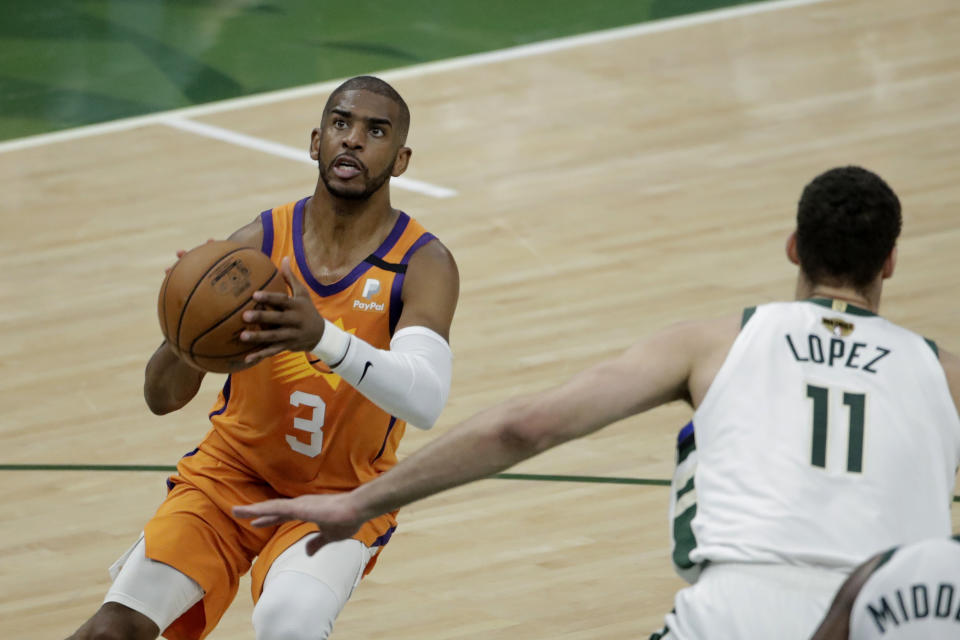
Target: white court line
284 151
512 53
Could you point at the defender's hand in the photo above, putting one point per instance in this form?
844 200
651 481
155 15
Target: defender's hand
337 518
291 323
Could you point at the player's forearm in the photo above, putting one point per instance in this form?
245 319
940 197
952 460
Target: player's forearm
411 380
169 383
485 444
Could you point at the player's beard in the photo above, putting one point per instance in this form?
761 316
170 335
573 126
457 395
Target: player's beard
371 185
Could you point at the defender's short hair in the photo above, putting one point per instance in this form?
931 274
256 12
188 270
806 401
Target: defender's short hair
848 222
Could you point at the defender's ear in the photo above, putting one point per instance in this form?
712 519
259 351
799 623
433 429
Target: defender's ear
791 248
890 264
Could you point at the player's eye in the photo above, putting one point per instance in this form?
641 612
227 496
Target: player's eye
377 132
340 123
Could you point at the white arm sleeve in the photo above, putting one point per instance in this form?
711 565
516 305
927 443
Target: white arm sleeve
411 380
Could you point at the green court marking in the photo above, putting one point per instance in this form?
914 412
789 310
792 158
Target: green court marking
594 479
168 468
652 482
87 467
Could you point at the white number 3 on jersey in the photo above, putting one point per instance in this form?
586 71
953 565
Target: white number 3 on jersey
313 426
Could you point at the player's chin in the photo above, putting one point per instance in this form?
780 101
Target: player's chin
356 189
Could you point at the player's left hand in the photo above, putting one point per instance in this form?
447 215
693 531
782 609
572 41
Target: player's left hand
335 515
180 254
289 323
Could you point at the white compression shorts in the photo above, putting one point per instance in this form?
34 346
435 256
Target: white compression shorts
302 595
152 588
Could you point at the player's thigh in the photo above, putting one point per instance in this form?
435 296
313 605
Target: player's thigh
303 593
152 589
194 533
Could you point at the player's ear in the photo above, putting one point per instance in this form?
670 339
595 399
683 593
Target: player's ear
401 161
791 248
890 264
315 143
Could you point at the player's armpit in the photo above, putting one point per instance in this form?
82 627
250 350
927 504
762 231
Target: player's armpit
249 235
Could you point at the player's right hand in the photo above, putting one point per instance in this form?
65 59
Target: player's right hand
287 322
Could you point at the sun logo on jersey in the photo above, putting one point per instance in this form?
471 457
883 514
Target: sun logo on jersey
291 366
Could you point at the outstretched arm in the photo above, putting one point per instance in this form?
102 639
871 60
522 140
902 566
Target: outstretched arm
648 374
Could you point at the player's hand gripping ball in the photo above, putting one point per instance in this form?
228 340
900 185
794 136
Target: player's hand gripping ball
203 298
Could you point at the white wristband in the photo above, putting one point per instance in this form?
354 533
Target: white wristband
333 344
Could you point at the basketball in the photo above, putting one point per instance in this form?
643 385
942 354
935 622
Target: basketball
203 298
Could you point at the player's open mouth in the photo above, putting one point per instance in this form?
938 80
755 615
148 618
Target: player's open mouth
346 167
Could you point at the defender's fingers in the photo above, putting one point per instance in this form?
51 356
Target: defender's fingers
316 543
276 507
268 521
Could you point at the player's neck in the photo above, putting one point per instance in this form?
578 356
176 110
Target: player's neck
345 221
868 299
338 233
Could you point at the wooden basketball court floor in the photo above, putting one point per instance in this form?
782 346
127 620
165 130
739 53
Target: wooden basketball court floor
603 187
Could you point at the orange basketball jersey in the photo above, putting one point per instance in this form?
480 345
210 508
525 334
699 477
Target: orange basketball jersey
289 420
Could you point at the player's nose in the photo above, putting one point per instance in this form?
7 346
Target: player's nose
353 139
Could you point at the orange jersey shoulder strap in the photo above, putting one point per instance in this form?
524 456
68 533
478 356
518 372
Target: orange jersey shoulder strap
283 236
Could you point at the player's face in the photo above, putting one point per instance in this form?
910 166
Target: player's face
356 147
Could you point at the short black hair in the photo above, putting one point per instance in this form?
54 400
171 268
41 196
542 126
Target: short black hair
380 87
848 221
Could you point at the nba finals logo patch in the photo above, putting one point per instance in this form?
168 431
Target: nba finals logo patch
838 327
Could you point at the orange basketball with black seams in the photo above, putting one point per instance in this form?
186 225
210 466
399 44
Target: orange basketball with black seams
203 298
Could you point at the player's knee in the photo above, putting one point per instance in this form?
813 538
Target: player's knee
285 621
306 614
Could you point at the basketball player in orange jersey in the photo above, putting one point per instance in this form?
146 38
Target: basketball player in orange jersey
358 349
